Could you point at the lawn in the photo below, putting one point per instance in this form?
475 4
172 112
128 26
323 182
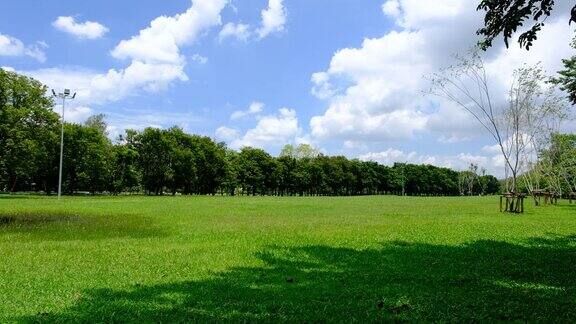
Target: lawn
296 259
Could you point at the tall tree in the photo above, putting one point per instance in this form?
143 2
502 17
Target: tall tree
566 78
86 157
123 169
155 158
512 126
28 133
230 182
184 170
302 151
210 160
561 156
255 169
97 122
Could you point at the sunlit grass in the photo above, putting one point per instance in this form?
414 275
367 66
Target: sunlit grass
284 258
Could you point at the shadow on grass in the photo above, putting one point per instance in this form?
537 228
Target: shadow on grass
480 281
67 227
30 220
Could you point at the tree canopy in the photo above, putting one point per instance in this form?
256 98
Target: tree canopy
566 78
28 133
505 17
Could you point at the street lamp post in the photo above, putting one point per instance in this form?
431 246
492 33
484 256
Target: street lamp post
65 95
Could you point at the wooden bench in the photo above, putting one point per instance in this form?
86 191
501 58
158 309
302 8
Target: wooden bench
549 197
513 203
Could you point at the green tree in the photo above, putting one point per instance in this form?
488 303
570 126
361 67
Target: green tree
566 78
491 185
86 157
28 134
255 169
230 182
288 151
97 122
123 169
302 151
210 160
561 158
504 17
154 158
398 178
287 166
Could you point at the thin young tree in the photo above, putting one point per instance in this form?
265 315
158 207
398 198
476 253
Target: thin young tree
482 181
560 158
511 125
540 110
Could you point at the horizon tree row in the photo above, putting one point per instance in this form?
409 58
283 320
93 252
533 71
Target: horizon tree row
169 161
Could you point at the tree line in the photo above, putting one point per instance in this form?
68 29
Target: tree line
554 170
170 161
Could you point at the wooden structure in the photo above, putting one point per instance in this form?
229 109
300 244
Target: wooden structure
512 203
554 198
549 197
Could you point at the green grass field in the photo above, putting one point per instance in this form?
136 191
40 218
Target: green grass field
294 259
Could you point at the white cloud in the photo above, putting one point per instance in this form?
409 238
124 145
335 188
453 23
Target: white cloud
390 156
273 18
375 92
255 108
227 134
355 145
490 158
367 91
391 8
458 162
97 88
273 21
148 117
74 114
452 123
11 46
138 119
491 149
120 120
161 41
271 131
155 57
306 139
83 30
199 59
552 46
524 144
240 32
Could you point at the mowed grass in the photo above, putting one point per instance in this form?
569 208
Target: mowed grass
288 259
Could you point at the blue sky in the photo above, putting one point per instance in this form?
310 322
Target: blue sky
343 75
